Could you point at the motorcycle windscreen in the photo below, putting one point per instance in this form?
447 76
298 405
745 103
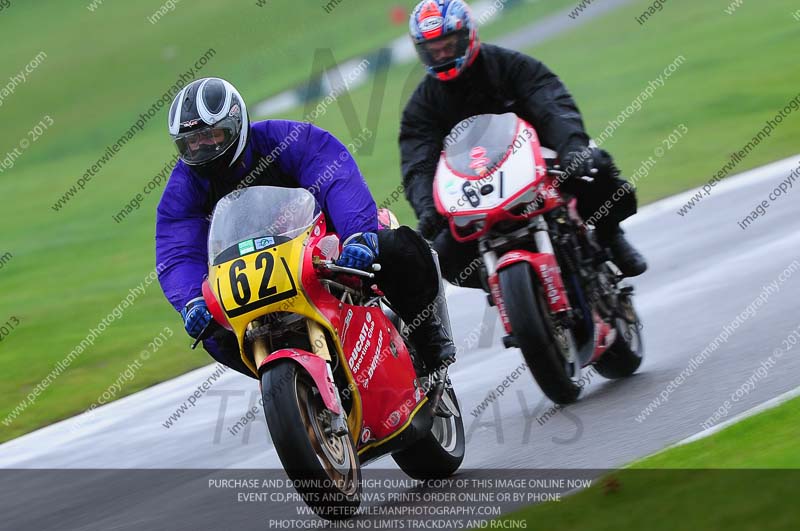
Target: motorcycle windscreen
477 145
256 218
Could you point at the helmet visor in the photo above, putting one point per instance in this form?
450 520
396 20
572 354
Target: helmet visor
442 52
203 145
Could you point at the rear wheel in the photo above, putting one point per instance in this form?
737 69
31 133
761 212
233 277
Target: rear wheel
626 354
549 349
324 466
440 453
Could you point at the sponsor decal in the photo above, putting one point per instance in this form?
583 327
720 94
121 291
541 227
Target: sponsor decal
376 360
451 187
430 24
263 243
550 284
477 152
235 110
366 435
246 247
191 123
479 158
497 296
363 343
346 325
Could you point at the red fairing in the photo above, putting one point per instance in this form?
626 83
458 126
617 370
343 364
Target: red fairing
382 369
546 268
316 367
214 307
390 393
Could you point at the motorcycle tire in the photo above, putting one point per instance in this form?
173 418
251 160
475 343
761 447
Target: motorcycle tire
325 469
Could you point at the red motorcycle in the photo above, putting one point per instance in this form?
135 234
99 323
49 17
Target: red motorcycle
561 300
340 384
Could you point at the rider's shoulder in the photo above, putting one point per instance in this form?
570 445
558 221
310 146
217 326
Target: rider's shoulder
505 56
270 129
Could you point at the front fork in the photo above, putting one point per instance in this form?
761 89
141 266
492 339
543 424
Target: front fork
337 424
543 262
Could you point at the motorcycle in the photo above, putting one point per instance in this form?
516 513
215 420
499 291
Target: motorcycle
561 300
340 384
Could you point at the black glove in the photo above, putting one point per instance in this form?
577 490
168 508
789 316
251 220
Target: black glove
589 162
430 224
419 192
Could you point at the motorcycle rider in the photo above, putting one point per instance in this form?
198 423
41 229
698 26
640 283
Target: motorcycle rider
467 78
221 151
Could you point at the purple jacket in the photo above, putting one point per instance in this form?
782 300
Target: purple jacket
300 155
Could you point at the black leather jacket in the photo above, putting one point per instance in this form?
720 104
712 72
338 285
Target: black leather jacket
499 81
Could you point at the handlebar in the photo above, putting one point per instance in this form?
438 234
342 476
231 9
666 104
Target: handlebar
330 265
206 333
555 169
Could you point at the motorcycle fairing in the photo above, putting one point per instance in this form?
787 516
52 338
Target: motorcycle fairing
376 352
472 203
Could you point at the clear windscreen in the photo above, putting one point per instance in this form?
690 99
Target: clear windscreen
478 144
258 217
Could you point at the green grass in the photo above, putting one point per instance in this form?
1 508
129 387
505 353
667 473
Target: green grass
104 68
741 478
766 440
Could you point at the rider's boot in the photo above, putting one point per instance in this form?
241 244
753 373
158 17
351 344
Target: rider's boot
432 336
627 258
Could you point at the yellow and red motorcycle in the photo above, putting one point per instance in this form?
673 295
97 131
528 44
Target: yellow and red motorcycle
340 384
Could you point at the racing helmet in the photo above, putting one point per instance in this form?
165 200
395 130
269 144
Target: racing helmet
445 37
208 123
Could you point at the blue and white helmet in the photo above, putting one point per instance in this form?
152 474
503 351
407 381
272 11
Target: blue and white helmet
445 36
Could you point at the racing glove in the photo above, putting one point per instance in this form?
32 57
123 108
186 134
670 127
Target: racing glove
578 163
419 191
359 251
430 224
195 316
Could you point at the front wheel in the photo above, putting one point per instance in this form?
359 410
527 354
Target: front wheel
323 466
439 454
548 349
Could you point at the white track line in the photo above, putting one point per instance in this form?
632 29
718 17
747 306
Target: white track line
729 184
769 404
